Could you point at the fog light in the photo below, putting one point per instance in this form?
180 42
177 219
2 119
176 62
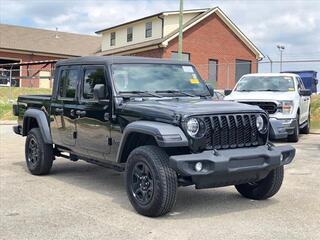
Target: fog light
198 166
281 157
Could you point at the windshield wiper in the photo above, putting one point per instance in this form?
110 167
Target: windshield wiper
176 91
244 90
268 90
141 93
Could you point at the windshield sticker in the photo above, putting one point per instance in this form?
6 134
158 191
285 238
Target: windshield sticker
194 76
194 81
287 78
187 69
291 89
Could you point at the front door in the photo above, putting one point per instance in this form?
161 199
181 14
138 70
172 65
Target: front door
63 125
92 117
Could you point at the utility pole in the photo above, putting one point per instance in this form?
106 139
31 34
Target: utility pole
281 48
270 63
180 31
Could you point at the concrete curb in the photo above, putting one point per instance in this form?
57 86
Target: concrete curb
8 122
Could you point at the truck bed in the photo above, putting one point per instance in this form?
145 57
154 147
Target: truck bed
32 101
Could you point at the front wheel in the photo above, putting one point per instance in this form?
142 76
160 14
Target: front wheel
151 184
306 129
264 188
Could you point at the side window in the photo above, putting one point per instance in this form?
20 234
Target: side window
92 77
300 83
68 83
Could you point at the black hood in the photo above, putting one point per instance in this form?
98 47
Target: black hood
167 110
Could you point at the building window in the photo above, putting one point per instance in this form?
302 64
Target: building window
148 29
129 34
185 56
242 67
213 71
113 39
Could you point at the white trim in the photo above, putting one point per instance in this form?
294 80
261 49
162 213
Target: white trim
230 24
129 51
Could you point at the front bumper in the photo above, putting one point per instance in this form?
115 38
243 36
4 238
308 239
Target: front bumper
232 166
281 128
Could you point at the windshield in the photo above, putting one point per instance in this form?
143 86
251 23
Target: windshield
158 78
265 83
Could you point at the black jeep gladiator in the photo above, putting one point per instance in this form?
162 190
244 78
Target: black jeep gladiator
155 120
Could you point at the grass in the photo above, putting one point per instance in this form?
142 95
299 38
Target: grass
8 96
6 105
315 112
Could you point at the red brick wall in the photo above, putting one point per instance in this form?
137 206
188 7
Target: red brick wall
32 82
212 39
154 53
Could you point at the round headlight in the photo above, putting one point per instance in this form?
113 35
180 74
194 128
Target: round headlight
192 127
260 124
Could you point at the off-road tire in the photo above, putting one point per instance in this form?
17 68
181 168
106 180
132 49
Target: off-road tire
164 181
306 129
264 188
44 152
295 136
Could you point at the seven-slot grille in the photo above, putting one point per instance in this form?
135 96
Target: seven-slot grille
269 107
231 131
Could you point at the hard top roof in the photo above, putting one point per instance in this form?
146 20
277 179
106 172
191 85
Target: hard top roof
106 60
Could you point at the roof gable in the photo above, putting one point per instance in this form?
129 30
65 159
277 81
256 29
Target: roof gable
166 13
226 20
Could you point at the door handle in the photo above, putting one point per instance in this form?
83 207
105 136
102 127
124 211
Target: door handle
81 113
58 110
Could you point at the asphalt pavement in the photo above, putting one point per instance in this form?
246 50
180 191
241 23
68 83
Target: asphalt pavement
83 201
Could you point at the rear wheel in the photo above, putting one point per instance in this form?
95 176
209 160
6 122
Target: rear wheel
294 137
151 184
38 154
264 188
306 129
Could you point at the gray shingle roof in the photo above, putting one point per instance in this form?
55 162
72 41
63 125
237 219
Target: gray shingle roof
46 41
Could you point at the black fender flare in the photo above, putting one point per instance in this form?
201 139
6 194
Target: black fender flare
166 135
42 121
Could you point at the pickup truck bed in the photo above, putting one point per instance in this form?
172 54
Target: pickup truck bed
31 101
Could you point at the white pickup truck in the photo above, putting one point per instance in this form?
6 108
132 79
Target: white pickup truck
282 95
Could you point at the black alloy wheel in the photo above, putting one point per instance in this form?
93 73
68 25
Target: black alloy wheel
142 183
33 152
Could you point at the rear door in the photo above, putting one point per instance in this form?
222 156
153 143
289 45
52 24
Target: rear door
63 126
93 125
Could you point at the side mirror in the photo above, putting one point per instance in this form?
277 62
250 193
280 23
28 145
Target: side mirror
211 91
99 92
305 92
227 92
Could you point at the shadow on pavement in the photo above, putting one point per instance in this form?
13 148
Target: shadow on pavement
190 203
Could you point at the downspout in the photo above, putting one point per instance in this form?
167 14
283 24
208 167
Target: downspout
162 31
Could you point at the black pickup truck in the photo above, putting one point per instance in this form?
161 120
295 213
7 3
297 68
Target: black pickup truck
155 120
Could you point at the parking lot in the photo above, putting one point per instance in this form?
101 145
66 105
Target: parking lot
82 201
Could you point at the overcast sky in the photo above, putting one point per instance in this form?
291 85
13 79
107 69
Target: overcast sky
295 24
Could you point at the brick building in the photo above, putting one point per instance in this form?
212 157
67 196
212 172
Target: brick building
211 41
23 44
